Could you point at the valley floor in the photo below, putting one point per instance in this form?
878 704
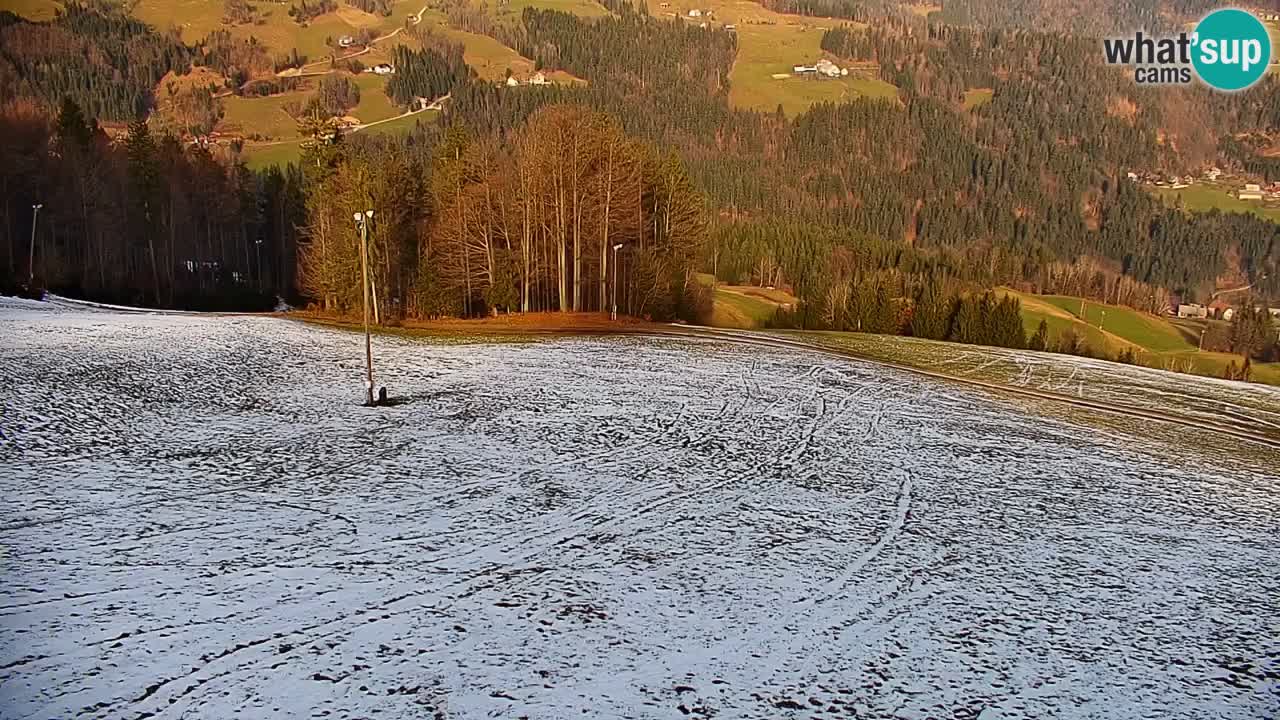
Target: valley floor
201 521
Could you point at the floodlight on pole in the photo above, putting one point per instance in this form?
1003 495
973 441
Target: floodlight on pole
31 253
613 314
362 224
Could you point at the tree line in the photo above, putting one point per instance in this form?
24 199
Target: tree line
846 195
143 220
530 221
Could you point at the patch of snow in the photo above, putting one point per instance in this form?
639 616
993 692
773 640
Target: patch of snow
201 521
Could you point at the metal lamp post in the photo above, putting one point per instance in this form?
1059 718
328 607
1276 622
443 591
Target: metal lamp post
31 255
362 224
613 314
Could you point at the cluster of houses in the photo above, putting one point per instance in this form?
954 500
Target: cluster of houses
1254 191
1216 310
537 79
1250 191
1172 182
824 68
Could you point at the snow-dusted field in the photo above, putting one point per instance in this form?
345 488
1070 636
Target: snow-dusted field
199 521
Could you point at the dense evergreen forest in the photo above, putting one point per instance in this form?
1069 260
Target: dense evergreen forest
1092 18
515 201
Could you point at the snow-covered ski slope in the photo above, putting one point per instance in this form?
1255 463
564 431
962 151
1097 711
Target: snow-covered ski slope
200 521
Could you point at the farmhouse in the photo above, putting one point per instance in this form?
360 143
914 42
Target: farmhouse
695 13
804 69
1228 313
538 79
1212 174
826 68
513 82
1251 191
346 41
383 69
1193 311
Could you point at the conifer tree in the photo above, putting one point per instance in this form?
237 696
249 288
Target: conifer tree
1040 341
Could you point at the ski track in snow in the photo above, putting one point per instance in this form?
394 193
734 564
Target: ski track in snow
200 521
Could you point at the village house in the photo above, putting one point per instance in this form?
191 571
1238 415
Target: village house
1213 174
1251 191
538 79
1228 313
826 68
803 69
383 69
695 13
1193 311
346 41
513 82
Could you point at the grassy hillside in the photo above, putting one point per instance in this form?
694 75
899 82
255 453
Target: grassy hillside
259 156
374 103
977 97
742 306
1156 341
1202 197
512 9
263 117
766 50
32 9
735 310
772 43
1036 308
1146 331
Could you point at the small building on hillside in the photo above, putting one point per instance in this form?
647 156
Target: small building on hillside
826 68
804 69
1274 312
346 41
513 82
1212 174
1193 310
695 13
1228 313
1251 191
539 79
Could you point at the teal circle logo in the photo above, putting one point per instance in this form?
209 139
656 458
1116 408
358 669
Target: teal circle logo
1231 49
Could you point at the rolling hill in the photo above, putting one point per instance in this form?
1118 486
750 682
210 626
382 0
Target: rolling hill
1156 341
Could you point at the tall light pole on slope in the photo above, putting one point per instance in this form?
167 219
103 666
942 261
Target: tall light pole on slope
613 315
362 224
31 256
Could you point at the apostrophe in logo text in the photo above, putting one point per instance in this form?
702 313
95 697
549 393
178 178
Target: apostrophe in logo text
1229 50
